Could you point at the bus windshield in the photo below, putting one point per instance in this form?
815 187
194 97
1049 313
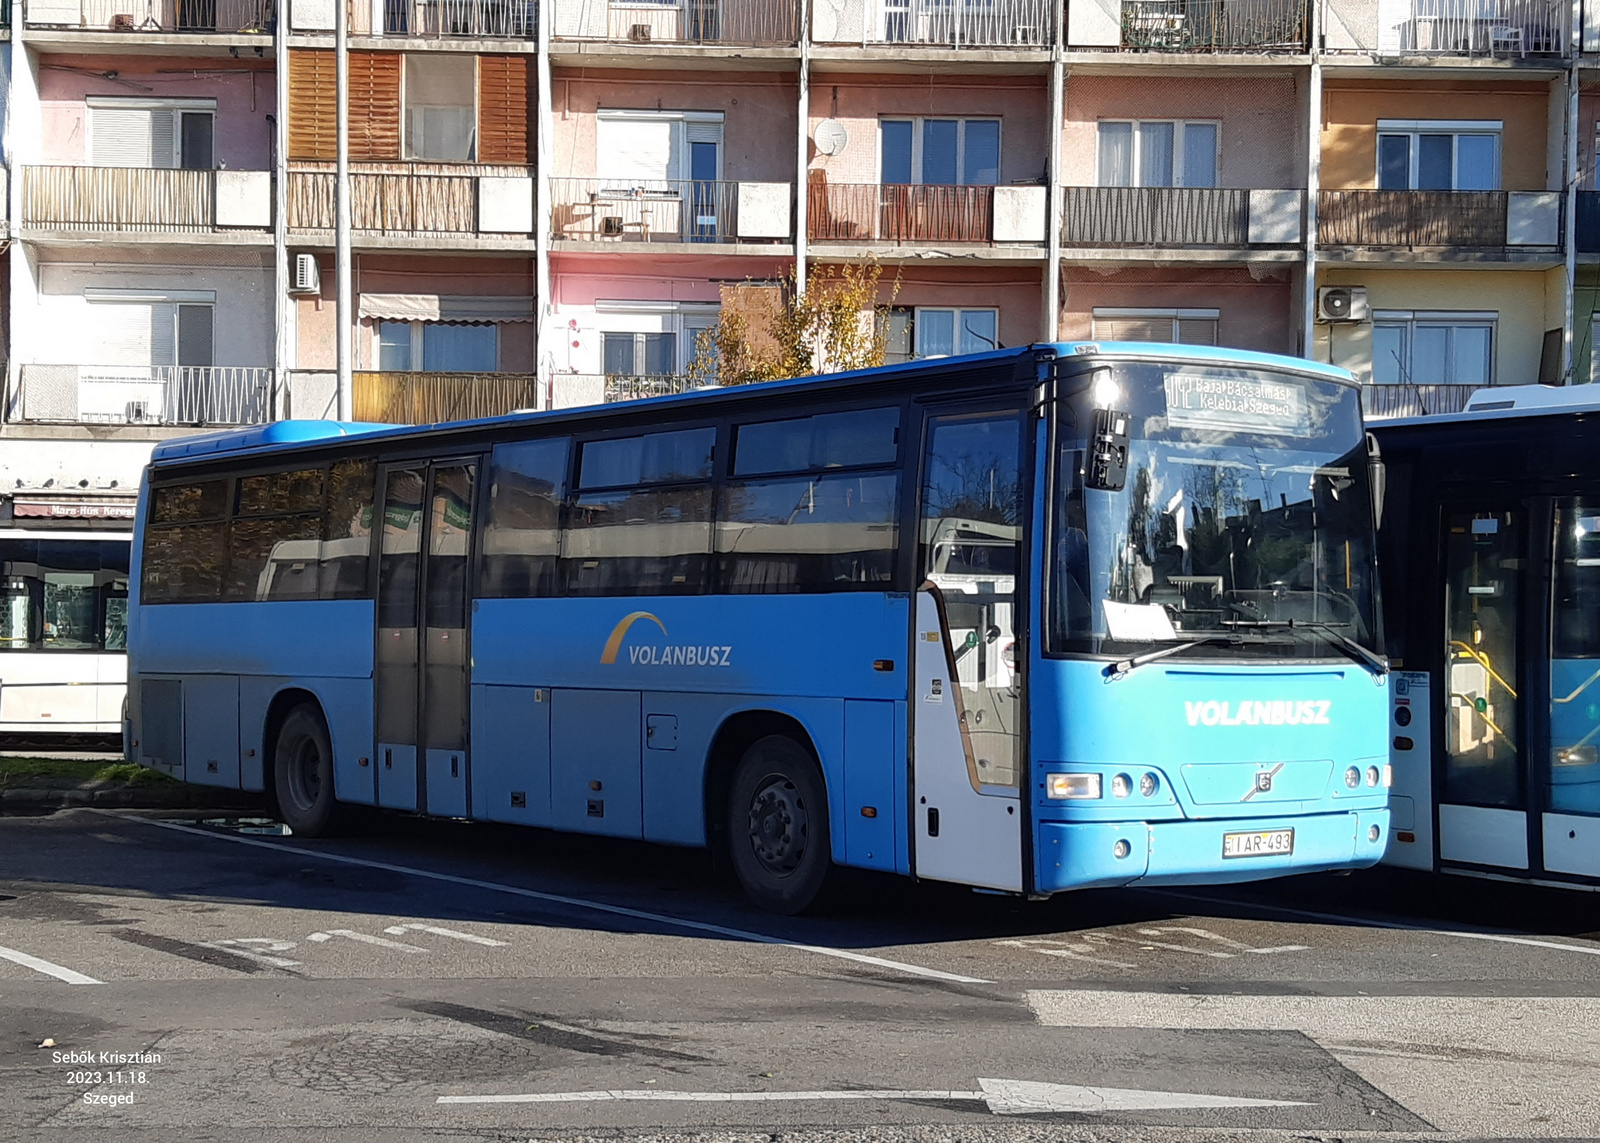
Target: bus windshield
1245 523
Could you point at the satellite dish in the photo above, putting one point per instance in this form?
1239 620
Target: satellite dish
831 137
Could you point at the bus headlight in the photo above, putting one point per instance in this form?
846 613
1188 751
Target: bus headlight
1073 786
1373 776
1352 777
1121 786
1148 785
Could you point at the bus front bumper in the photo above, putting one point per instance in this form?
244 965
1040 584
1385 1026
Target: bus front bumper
1084 855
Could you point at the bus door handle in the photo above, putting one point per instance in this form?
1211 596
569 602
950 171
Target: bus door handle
933 822
388 759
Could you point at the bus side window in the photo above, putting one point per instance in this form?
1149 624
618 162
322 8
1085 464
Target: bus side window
186 543
347 531
522 537
273 540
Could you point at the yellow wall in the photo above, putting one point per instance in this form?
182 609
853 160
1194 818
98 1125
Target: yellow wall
1351 114
1522 299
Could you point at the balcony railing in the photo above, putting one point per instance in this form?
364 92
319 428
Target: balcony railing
899 214
118 198
937 23
1508 29
570 390
671 210
1409 220
1379 402
1215 25
758 23
182 16
411 398
408 200
1155 216
483 19
146 395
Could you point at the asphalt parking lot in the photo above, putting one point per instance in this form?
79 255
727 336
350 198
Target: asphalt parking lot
428 979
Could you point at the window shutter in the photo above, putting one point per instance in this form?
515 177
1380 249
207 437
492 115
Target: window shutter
503 126
122 137
120 334
374 106
195 344
313 105
161 139
636 151
163 347
1134 329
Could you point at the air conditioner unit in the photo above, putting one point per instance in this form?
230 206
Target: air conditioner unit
611 226
1026 34
138 413
122 22
1342 303
639 33
306 278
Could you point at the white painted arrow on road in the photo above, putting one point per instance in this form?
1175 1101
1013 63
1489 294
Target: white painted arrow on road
1002 1096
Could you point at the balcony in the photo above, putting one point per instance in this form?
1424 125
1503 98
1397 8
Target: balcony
1381 402
146 395
1515 225
145 200
183 17
900 215
1215 26
414 200
954 24
398 398
1502 29
1180 217
441 19
753 23
571 390
671 210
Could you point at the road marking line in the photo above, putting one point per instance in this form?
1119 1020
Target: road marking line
243 947
363 937
1378 922
572 902
44 966
400 930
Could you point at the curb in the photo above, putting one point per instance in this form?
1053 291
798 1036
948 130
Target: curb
128 796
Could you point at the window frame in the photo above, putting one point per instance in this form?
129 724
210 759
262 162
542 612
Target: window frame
474 109
416 350
103 592
176 106
1413 129
961 121
1180 129
916 313
1412 320
1151 313
679 156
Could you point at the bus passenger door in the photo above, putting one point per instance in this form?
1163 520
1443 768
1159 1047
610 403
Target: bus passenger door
966 699
420 677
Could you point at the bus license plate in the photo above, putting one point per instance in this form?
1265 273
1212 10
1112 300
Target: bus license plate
1258 843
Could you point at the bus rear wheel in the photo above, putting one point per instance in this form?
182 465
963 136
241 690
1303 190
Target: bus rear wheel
778 826
303 773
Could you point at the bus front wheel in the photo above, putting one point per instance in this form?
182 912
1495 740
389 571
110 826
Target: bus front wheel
303 769
778 825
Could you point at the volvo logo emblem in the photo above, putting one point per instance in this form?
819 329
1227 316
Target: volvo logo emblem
1263 782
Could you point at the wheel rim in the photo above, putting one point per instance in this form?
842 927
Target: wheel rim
779 826
305 773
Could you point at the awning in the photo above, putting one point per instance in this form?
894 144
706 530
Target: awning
445 307
74 509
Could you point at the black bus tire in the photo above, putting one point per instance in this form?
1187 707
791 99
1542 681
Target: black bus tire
302 765
778 838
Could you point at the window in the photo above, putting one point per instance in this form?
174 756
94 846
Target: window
963 152
438 347
273 541
1424 348
522 540
827 440
63 595
1175 326
441 107
1158 153
937 331
650 148
1442 154
144 328
152 133
1574 774
639 354
650 339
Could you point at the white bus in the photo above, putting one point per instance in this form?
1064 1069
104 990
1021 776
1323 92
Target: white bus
63 632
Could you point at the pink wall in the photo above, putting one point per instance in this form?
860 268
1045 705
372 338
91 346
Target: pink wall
244 93
1254 314
758 131
858 101
1262 144
1016 291
581 279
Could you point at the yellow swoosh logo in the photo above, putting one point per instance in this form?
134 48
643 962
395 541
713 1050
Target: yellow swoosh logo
614 644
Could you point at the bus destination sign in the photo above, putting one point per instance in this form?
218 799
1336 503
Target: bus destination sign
1235 403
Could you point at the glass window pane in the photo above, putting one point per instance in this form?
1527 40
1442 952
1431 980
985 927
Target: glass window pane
1430 355
401 548
660 354
1155 154
617 351
979 331
275 493
1200 155
1434 160
939 151
394 346
828 440
1470 360
980 160
821 533
896 151
684 454
1573 784
184 564
1394 162
527 483
936 333
454 347
639 541
898 346
450 545
1388 353
273 557
347 531
1484 560
1116 154
178 502
1476 166
69 611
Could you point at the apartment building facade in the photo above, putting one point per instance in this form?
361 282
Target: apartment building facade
548 201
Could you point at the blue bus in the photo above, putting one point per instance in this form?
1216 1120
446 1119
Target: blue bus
1031 620
1491 538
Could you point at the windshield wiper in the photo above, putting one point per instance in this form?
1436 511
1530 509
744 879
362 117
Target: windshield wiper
1123 666
1374 663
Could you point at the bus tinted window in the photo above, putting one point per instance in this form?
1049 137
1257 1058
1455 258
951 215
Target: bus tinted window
180 502
273 557
684 454
522 540
402 546
827 440
347 531
642 542
184 563
276 493
820 533
63 595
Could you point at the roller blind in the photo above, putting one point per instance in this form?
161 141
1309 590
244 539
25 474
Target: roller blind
374 106
631 151
313 101
121 137
503 125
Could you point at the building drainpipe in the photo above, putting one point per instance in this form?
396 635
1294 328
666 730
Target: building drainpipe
802 186
1313 185
544 308
341 219
1051 323
1569 372
280 221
